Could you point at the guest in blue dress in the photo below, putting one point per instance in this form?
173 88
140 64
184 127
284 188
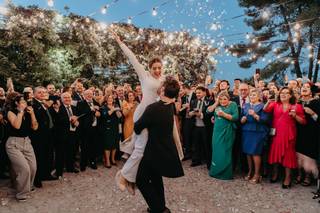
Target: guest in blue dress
255 133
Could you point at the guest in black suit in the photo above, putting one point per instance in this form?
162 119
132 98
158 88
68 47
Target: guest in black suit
201 150
238 157
77 94
4 160
41 139
186 120
66 123
138 93
160 158
89 131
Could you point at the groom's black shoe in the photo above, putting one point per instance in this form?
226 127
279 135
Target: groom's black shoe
186 157
165 211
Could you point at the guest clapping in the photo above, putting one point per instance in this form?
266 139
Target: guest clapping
255 133
225 114
109 124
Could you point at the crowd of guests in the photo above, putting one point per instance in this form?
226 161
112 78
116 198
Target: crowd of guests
259 130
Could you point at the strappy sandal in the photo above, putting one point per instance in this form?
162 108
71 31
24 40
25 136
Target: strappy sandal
306 182
297 180
256 179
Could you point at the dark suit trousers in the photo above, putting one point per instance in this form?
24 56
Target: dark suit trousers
200 147
151 187
188 124
65 153
89 146
43 149
239 158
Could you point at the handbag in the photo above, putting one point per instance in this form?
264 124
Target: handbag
272 132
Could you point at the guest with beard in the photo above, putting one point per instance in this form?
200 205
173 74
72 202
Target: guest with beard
77 93
186 120
89 131
308 137
201 150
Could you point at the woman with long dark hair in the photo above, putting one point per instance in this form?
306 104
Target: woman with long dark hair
308 137
286 113
21 122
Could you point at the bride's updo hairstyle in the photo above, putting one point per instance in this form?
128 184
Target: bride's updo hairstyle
154 60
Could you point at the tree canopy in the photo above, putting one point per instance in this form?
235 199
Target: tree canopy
39 46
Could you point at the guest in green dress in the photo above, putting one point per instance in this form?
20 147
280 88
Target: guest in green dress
225 116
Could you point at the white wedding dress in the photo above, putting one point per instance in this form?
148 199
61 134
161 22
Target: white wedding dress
149 87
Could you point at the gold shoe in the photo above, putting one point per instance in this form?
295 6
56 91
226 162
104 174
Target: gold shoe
121 181
248 177
256 180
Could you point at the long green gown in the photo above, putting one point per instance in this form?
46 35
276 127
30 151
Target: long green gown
222 141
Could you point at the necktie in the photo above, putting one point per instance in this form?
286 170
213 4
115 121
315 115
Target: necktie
69 111
94 123
243 101
48 114
50 119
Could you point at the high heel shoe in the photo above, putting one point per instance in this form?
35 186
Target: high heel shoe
248 177
274 180
284 186
256 180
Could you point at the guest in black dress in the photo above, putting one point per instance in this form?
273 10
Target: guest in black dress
308 137
109 126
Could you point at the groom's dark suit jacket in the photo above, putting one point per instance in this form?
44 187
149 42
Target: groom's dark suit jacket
160 153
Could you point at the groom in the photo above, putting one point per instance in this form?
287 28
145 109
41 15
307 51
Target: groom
160 157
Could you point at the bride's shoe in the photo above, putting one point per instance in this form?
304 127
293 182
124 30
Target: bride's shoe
131 187
121 182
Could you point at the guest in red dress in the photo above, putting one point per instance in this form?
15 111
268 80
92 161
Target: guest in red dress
286 112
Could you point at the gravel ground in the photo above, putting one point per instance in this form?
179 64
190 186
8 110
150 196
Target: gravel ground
95 191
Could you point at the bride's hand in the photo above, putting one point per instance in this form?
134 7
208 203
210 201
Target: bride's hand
115 36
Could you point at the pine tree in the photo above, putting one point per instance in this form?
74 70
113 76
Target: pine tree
289 30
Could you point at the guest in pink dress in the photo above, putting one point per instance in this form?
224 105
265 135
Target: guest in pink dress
286 112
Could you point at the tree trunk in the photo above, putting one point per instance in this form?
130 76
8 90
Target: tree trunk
294 54
315 75
311 52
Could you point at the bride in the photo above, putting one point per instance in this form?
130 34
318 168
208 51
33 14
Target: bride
150 84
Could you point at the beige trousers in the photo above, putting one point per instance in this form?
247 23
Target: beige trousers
23 162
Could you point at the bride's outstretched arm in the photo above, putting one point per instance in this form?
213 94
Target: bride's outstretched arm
139 68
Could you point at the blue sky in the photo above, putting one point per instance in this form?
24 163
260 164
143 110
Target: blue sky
198 16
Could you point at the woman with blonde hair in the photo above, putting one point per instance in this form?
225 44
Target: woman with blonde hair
224 131
254 134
